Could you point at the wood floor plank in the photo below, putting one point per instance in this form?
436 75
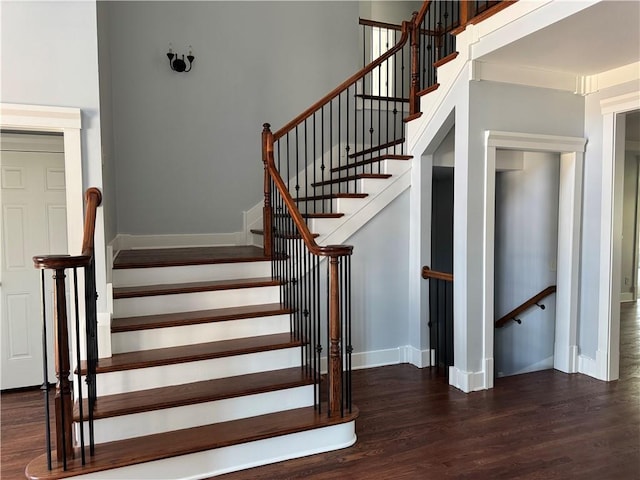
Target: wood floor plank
413 425
165 257
129 324
197 392
193 353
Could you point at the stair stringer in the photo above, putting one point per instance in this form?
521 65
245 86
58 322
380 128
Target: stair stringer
366 209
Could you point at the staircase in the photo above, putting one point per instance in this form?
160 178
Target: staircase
225 358
206 376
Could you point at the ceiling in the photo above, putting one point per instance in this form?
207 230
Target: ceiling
599 38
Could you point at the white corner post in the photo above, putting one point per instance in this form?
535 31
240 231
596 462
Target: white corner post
613 124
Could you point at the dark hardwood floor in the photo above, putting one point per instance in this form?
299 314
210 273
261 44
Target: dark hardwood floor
413 425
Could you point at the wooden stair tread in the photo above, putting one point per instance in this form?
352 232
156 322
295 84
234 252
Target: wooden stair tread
351 177
170 257
377 148
193 353
181 442
382 98
197 392
314 198
146 322
288 235
192 287
372 160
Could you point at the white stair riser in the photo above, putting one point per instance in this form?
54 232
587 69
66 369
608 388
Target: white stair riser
192 334
189 416
132 277
181 373
187 302
237 457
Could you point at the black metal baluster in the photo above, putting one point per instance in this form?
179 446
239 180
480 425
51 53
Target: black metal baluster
78 370
45 368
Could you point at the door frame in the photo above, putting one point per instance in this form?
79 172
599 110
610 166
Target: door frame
65 120
571 150
613 112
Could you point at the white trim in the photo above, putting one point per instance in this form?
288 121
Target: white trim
520 75
569 226
467 381
56 119
588 84
388 356
587 366
608 353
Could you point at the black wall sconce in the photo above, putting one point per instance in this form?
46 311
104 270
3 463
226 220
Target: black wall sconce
178 64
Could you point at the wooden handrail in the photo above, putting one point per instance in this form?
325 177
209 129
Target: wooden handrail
307 236
526 305
428 273
374 23
63 399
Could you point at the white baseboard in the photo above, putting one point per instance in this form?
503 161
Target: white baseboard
467 381
389 356
125 241
587 366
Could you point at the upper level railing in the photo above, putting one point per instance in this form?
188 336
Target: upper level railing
63 332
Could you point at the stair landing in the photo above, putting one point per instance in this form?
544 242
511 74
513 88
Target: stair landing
167 257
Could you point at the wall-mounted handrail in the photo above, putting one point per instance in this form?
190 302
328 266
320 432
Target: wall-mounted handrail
63 406
428 273
525 306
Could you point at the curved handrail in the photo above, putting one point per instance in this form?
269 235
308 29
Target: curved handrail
93 197
428 273
524 306
308 237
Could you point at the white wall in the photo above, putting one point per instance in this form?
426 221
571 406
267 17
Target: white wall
526 244
187 146
49 56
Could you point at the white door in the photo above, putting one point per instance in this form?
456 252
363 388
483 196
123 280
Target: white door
34 222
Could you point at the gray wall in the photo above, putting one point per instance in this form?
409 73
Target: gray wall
526 244
380 280
106 123
629 263
49 57
187 146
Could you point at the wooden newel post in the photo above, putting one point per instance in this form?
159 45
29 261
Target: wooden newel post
267 209
414 88
63 400
464 13
335 351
